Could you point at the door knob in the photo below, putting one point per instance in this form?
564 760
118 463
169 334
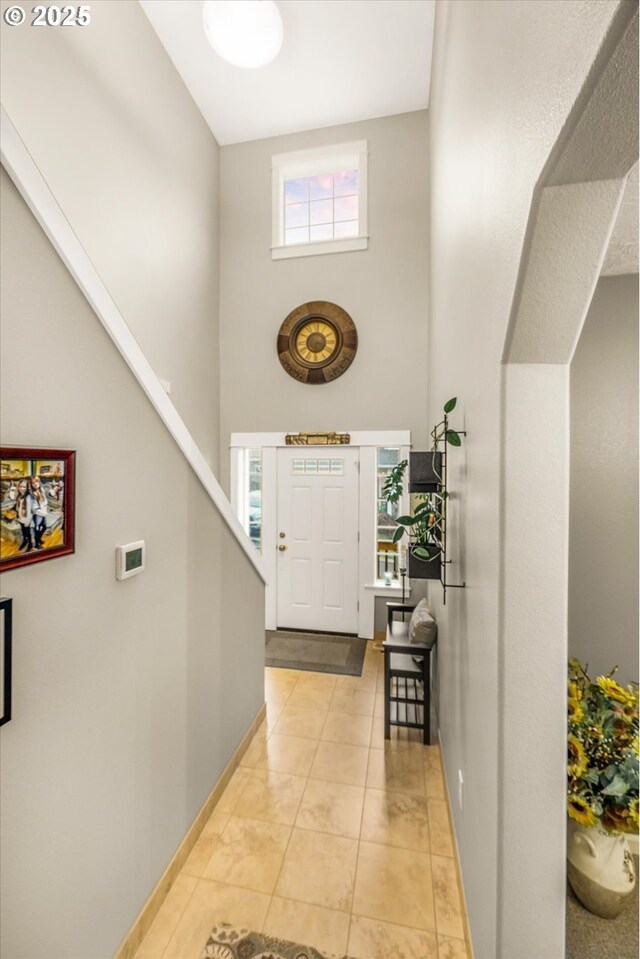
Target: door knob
282 547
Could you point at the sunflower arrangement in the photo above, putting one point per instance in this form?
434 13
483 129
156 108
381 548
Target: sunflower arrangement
602 765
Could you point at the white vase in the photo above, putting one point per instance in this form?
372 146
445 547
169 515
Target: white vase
600 868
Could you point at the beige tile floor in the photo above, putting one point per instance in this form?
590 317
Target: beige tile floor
326 834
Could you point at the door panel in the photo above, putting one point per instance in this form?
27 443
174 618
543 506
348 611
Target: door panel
301 582
301 507
332 584
318 515
333 515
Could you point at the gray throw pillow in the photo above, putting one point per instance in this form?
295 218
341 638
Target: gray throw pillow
423 628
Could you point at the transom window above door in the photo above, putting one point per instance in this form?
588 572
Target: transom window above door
321 466
320 201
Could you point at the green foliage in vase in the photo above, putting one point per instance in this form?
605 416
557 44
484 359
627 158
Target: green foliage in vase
602 767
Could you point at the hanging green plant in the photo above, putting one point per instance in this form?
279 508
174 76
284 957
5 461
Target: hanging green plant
424 526
441 430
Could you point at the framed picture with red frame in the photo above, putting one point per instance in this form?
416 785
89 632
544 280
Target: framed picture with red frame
37 502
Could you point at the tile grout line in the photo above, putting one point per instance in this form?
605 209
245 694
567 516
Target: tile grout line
308 778
433 886
169 938
269 733
452 858
233 807
355 878
275 885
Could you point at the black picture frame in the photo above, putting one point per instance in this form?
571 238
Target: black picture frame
6 609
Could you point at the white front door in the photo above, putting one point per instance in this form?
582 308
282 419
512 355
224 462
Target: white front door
318 539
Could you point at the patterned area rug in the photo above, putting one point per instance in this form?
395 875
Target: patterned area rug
228 942
320 652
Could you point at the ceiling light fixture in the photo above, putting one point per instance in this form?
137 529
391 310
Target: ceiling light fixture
246 33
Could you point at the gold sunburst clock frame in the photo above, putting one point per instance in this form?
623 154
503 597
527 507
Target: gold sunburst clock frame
317 342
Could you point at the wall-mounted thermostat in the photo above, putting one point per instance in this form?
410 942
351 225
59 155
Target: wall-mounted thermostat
129 559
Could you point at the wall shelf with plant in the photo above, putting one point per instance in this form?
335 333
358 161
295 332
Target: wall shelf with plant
426 525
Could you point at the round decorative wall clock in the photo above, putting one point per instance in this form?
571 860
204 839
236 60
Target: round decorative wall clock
317 342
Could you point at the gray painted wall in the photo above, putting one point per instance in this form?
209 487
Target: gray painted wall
505 76
383 288
128 698
603 545
134 167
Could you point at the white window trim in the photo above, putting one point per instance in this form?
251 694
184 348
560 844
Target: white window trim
379 584
393 592
391 438
310 163
318 247
240 495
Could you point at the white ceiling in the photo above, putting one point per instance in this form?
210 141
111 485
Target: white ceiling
341 61
622 253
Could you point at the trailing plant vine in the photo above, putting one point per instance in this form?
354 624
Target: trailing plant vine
441 430
425 526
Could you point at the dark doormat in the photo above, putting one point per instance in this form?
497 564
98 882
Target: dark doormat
320 652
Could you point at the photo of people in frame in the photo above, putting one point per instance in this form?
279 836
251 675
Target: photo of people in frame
34 512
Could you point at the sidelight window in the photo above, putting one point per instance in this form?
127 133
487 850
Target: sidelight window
251 511
387 552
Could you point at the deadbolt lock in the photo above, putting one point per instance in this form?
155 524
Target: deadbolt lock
282 535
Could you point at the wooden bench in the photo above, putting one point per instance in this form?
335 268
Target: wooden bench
407 693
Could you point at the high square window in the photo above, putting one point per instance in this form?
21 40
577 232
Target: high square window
320 201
